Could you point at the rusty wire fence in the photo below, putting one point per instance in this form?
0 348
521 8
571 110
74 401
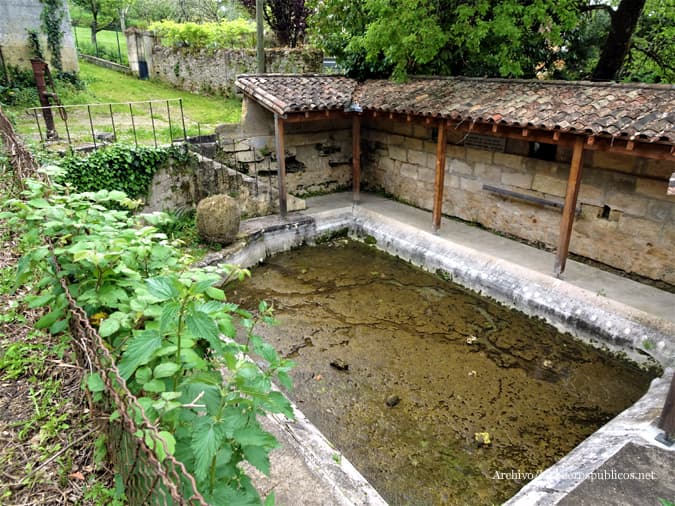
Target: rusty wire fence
147 122
131 437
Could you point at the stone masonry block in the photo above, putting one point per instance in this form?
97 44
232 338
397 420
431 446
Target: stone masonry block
614 161
653 188
510 161
451 181
646 230
470 185
417 157
629 204
421 131
518 179
591 194
550 185
487 172
413 143
398 153
657 168
409 170
658 210
386 163
426 174
478 155
456 152
395 140
458 166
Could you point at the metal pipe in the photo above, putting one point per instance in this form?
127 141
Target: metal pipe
91 126
133 125
112 120
152 120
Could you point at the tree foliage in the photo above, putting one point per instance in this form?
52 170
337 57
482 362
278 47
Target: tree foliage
286 18
506 38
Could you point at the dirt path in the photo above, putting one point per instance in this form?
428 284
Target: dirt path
47 440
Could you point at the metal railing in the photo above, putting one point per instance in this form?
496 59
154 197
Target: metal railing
91 125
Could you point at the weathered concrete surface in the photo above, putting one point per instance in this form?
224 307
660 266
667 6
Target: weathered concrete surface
17 16
306 470
649 461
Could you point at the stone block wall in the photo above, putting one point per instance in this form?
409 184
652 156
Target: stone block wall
626 219
17 16
184 185
318 153
209 71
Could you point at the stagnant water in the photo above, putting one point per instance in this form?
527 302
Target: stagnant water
421 365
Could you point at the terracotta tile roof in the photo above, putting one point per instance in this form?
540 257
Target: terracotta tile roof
635 111
284 93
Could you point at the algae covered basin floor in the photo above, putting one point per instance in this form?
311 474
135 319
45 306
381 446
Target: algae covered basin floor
431 391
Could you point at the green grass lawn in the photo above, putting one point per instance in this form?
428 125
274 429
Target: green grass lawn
106 40
102 86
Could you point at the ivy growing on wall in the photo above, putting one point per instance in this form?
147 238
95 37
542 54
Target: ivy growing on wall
119 167
52 16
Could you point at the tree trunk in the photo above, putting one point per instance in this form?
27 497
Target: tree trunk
617 45
123 18
94 29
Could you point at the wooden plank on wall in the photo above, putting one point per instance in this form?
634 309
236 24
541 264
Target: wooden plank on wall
439 179
281 162
567 220
356 158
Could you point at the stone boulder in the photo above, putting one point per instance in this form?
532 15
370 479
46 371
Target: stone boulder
218 219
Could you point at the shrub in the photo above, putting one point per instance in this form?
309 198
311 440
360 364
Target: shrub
238 33
169 326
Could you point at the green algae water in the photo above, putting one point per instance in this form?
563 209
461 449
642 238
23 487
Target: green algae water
437 395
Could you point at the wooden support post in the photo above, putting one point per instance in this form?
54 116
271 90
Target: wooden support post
439 179
667 419
356 158
567 220
281 162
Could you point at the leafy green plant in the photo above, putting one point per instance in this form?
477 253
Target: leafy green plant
119 167
169 326
238 33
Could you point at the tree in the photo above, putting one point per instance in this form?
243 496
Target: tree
481 37
103 14
617 44
286 18
652 51
564 39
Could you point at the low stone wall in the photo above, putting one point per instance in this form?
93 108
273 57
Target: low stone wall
178 186
106 64
626 221
209 71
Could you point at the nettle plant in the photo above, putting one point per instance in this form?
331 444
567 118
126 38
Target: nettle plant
168 324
